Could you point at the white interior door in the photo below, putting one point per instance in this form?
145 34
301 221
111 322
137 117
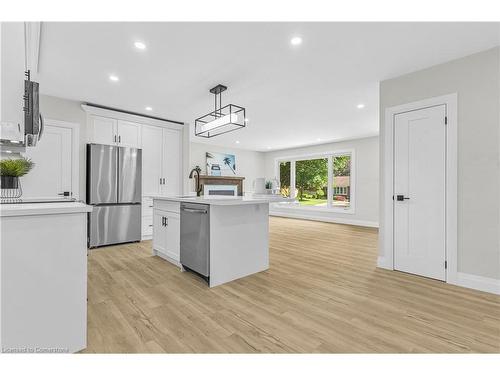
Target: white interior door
152 148
420 192
171 162
53 170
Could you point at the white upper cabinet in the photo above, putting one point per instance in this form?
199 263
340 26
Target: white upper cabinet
129 134
152 155
103 130
109 131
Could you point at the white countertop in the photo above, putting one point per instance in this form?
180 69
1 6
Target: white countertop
224 200
23 209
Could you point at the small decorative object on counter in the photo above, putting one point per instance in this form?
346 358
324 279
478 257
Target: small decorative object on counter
269 187
10 171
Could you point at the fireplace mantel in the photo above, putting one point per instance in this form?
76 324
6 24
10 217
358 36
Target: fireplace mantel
223 180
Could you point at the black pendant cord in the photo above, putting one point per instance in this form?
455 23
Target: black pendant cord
220 106
218 109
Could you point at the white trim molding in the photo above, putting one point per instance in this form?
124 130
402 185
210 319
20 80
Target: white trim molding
32 31
386 246
116 114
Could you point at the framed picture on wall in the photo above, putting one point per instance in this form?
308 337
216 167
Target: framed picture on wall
220 164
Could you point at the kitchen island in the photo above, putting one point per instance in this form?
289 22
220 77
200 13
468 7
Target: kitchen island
220 238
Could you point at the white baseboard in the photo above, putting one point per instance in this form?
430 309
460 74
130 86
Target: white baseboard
466 280
311 216
384 263
484 284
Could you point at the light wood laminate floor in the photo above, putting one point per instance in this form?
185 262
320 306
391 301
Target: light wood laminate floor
322 293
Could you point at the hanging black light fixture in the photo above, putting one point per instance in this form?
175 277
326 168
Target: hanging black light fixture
222 119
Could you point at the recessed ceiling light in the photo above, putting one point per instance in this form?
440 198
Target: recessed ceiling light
237 142
149 109
360 106
296 40
269 147
247 119
318 139
113 78
140 45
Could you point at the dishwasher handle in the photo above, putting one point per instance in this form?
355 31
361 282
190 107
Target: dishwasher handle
194 211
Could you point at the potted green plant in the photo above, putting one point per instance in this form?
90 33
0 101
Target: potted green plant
12 169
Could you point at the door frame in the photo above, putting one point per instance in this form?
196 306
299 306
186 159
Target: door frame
75 152
387 234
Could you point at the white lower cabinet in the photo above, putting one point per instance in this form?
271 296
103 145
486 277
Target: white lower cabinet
166 235
147 218
43 294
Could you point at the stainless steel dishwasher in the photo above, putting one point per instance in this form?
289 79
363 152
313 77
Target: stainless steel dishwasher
195 238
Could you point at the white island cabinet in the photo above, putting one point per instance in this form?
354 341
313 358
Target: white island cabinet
166 231
238 234
43 273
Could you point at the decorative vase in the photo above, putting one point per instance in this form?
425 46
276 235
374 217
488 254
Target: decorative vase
10 187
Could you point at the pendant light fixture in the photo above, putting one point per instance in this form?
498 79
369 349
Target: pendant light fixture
222 119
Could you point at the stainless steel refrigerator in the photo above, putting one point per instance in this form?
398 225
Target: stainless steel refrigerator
114 189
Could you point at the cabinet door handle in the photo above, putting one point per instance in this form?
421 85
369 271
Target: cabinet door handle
119 139
166 221
114 138
150 225
160 180
163 221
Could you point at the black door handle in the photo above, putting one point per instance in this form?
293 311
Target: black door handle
401 197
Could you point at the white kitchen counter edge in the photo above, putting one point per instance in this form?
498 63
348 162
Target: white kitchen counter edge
24 209
226 201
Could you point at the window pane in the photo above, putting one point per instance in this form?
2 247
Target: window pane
285 178
341 181
311 182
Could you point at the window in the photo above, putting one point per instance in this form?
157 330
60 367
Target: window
311 182
318 181
285 178
341 181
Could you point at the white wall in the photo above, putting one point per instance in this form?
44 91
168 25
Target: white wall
476 80
366 180
249 164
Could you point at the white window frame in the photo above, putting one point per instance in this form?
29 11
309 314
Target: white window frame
321 155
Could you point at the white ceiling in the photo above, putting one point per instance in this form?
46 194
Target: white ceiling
293 95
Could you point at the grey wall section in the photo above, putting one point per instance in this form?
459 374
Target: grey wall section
249 164
366 176
476 80
55 108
